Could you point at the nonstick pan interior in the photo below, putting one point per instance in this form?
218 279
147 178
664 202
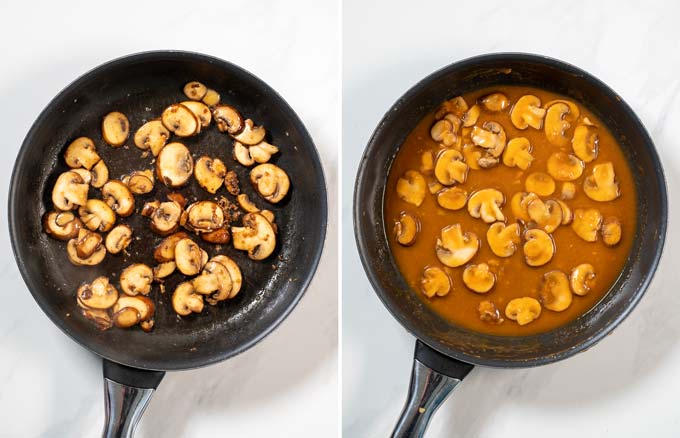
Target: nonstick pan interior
141 86
370 230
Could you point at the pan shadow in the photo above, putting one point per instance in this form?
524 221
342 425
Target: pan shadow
71 397
618 364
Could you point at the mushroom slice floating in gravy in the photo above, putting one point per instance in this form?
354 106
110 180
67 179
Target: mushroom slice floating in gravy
455 248
435 282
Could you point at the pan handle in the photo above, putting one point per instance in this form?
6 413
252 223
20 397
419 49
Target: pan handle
127 392
433 377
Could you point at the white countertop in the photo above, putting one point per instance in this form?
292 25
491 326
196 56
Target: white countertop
627 385
286 385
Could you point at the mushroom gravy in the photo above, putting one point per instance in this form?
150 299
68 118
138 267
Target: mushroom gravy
514 278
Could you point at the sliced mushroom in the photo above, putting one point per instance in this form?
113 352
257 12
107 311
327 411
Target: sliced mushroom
602 185
100 174
427 162
87 243
450 167
101 318
433 186
246 204
568 191
115 128
567 213
523 310
201 111
166 218
219 236
527 112
231 183
163 270
520 204
242 155
269 216
270 181
540 183
486 204
119 197
565 167
69 190
118 239
434 281
255 236
139 182
195 90
61 225
204 216
539 247
452 198
455 248
406 229
488 312
228 119
94 259
456 106
152 136
471 116
582 279
206 283
149 208
585 143
211 97
587 223
85 174
210 173
251 134
503 239
143 305
445 130
189 257
174 165
178 198
180 120
136 279
472 155
547 215
495 102
100 294
491 136
262 152
518 153
478 278
555 293
97 215
81 152
234 273
165 251
185 299
224 282
611 231
556 121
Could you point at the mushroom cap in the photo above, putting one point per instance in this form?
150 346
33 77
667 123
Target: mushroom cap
587 223
270 181
450 168
602 185
555 293
434 281
478 278
411 187
444 131
585 143
523 310
527 112
486 204
582 279
539 247
119 197
518 153
255 236
211 97
564 167
503 239
455 248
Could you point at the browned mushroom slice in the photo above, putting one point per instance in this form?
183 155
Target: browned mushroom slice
231 183
495 102
564 167
411 187
143 305
488 312
136 279
85 174
246 204
210 173
502 239
452 198
119 197
211 97
234 273
270 181
555 293
251 134
69 190
567 213
262 152
115 128
582 279
602 185
101 318
178 198
140 182
450 168
611 231
149 208
165 251
527 112
587 223
455 248
520 203
126 317
152 136
94 259
166 218
163 270
228 119
185 300
61 225
435 282
174 165
406 229
221 289
486 204
100 294
204 216
523 310
255 236
100 175
201 111
540 183
195 90
188 257
81 152
539 247
547 215
87 243
219 236
242 155
118 239
97 215
180 120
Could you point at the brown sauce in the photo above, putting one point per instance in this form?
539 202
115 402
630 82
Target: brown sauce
514 278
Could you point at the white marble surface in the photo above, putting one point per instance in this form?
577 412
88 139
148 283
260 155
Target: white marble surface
627 385
286 385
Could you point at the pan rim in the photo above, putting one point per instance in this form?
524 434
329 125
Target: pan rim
373 277
15 238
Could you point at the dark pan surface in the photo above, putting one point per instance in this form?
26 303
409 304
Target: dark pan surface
370 230
141 86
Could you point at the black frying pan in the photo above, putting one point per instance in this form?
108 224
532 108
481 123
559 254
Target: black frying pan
444 352
141 86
